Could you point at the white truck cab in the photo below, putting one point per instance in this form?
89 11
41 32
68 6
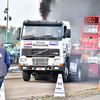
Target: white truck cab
45 47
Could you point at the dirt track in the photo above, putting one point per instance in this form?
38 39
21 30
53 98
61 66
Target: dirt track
16 88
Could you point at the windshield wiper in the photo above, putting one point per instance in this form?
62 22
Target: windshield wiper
29 37
48 37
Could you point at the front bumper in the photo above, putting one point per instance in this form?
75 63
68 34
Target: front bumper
41 68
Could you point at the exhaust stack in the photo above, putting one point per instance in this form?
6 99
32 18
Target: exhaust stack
44 18
45 8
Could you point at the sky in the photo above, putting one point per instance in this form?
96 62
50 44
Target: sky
19 10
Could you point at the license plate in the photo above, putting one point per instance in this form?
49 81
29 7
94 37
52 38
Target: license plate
40 68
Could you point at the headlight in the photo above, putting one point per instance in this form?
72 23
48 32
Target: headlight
57 59
23 59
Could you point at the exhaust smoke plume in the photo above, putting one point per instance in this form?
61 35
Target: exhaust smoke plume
45 8
70 9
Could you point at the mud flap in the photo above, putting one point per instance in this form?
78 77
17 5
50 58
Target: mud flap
72 71
73 68
85 69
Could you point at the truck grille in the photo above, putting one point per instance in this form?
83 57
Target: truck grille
44 52
40 61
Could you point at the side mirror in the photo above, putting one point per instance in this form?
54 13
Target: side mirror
65 28
18 33
68 34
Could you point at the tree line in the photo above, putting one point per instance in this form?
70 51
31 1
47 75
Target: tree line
11 34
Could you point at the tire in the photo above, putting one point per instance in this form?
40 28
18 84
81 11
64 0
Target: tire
79 74
65 74
26 76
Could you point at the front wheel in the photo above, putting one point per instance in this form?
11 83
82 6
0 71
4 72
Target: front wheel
26 76
65 74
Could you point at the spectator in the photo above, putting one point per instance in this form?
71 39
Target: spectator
4 64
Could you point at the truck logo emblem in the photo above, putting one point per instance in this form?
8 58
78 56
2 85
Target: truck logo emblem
53 43
27 42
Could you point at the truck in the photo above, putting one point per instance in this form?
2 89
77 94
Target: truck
88 51
47 53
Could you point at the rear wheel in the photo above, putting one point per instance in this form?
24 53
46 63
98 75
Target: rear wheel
79 74
26 76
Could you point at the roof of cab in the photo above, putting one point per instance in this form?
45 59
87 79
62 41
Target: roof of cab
42 22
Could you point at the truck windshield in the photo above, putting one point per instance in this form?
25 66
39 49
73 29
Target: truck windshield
42 32
90 28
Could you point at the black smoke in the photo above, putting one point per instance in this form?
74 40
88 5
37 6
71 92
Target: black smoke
70 10
45 7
